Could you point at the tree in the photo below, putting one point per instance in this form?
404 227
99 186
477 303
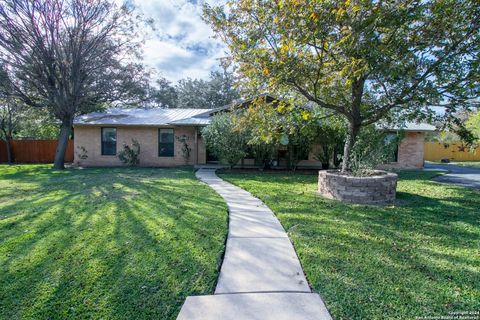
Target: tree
217 91
164 95
444 137
70 56
10 115
473 123
192 93
221 88
278 123
37 124
360 59
227 143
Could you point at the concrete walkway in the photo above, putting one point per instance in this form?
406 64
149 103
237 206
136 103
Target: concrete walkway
261 276
458 175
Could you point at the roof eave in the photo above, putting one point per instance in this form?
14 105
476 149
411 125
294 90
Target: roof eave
134 125
407 130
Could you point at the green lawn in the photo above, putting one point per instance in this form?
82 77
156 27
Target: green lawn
472 164
418 258
106 243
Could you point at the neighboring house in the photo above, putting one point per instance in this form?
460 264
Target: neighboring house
101 135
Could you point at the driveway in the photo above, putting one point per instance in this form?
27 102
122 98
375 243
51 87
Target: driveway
462 176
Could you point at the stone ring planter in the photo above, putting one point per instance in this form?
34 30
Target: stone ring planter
379 188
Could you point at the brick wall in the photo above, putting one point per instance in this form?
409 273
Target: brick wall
378 189
410 152
90 138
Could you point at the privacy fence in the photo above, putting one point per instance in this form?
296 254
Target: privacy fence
453 151
34 151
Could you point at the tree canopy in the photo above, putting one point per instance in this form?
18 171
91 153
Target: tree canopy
361 59
473 123
217 91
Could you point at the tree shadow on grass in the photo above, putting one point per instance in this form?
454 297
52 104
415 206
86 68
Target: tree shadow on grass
416 258
117 244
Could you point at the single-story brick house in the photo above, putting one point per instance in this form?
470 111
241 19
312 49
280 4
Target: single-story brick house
99 136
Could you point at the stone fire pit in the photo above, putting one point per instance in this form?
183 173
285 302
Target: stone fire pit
379 188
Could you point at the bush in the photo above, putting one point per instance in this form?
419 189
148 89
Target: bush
260 129
331 137
186 150
271 124
130 155
82 153
263 154
373 148
225 142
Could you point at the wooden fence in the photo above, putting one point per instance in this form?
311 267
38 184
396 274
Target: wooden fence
35 151
454 151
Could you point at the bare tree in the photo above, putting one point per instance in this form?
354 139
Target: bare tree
70 56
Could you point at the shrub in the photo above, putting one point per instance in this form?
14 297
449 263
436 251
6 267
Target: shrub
373 148
263 154
226 143
82 153
331 137
271 124
186 150
130 155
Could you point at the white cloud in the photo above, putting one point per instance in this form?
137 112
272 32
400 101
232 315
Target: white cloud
182 45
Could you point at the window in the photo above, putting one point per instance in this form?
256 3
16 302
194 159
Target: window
109 141
165 142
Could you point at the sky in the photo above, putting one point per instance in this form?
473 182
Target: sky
183 44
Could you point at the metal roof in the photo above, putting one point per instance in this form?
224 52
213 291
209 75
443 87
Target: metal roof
145 117
195 117
408 126
192 121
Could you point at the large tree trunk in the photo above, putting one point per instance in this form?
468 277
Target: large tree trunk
65 131
7 134
354 121
353 129
8 144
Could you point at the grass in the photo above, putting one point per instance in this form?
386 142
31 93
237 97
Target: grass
471 164
417 258
106 243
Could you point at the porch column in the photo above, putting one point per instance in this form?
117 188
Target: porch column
196 145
